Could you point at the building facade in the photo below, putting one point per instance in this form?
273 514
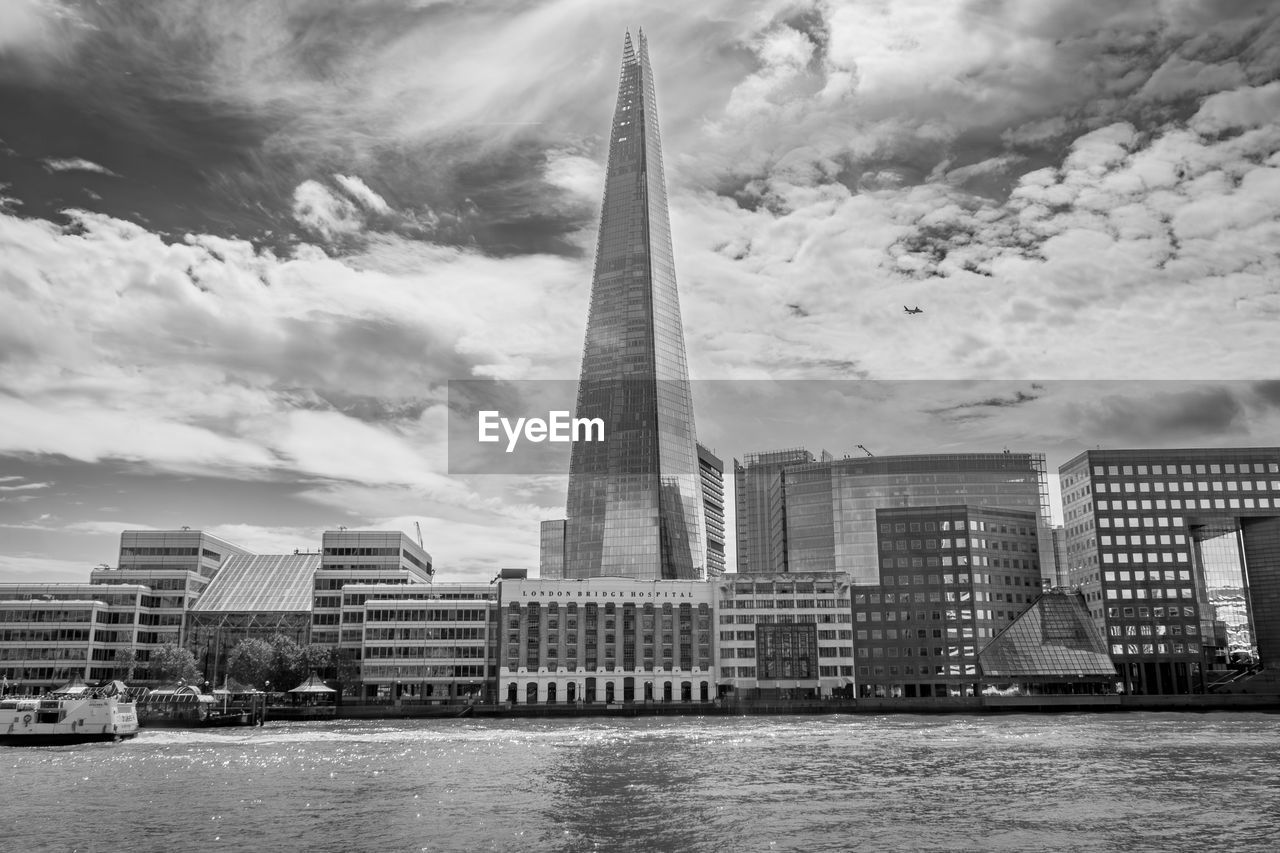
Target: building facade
606 641
711 471
634 505
785 635
759 510
950 579
1178 554
820 515
434 643
359 557
551 550
252 597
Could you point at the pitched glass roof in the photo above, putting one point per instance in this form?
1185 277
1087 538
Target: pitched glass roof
1055 637
264 582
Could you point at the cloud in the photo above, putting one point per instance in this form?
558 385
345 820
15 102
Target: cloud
24 487
76 164
359 190
1243 108
317 208
22 568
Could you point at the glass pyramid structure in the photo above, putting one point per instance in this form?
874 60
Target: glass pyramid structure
634 507
1053 639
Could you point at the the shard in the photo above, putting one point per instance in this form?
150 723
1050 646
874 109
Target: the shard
634 507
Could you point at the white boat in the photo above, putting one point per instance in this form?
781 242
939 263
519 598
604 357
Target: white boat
75 713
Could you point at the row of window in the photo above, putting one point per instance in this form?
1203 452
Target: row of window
1172 470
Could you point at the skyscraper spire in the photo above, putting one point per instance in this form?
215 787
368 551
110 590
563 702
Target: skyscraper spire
634 507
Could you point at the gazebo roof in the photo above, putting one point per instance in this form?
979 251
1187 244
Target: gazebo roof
313 684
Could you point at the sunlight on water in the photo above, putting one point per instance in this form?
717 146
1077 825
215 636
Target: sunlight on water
1015 783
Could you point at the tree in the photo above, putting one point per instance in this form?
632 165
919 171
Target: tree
125 663
336 666
171 662
289 668
251 662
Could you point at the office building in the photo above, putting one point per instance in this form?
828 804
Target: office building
185 549
711 471
432 644
785 635
359 557
949 579
1177 553
820 515
634 507
606 640
759 510
551 550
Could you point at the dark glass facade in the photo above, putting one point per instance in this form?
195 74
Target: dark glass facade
634 507
760 512
950 579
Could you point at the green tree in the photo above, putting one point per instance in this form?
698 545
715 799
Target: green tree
171 662
337 667
125 663
289 667
251 662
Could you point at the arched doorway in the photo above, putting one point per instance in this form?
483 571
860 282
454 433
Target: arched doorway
686 691
704 693
512 693
590 691
608 692
648 691
531 693
571 692
666 691
628 689
551 693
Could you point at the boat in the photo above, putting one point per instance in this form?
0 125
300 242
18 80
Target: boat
187 707
74 713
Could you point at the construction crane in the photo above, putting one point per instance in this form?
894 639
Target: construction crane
418 527
864 450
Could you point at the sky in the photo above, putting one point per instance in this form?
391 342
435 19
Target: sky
244 246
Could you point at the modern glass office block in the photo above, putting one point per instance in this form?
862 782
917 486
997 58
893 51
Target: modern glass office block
634 507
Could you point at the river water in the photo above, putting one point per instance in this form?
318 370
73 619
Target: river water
1150 781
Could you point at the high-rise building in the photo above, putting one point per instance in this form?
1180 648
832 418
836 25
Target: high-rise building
1178 555
819 516
551 550
711 469
759 511
950 578
634 507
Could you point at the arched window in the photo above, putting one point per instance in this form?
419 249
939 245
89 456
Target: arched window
531 693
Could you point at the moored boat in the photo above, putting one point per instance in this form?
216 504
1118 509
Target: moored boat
75 713
187 707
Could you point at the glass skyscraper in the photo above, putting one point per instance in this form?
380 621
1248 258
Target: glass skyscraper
635 508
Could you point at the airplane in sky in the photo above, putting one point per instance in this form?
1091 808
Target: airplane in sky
916 310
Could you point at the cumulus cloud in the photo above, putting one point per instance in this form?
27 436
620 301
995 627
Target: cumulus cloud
323 211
